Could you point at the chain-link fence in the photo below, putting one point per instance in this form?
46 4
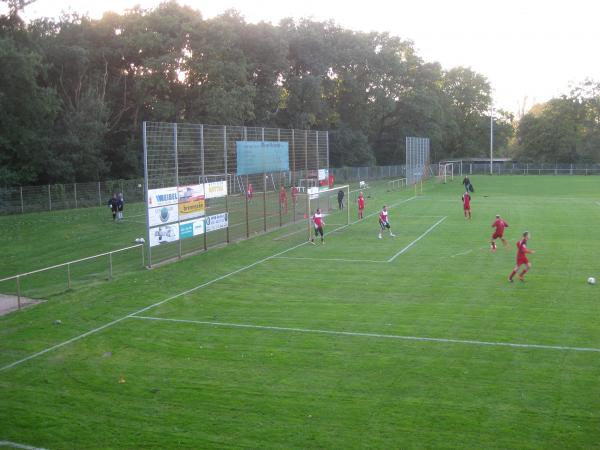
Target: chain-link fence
510 168
25 199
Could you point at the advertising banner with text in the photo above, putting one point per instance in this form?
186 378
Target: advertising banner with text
217 222
191 228
162 196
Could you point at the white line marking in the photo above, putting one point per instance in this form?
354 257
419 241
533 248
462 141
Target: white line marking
208 283
463 253
374 335
332 259
417 239
15 445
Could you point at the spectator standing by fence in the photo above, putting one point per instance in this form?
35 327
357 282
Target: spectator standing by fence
113 204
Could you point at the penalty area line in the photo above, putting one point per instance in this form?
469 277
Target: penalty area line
154 305
418 239
373 335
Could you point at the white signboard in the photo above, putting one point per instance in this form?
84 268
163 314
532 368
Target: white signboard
217 222
164 234
163 215
215 189
313 192
190 192
162 196
191 228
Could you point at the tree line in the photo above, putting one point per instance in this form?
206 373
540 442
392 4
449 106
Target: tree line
74 92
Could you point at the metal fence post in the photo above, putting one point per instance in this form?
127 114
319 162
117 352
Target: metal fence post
143 262
110 268
49 198
99 195
18 291
22 207
75 193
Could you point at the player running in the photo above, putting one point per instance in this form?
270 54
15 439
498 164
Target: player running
361 205
466 199
384 222
499 224
318 223
522 252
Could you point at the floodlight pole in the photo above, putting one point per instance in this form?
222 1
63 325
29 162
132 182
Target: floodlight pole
492 140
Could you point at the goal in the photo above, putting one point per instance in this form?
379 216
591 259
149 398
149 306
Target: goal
445 172
328 201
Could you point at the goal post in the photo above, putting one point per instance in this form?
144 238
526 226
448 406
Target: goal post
328 201
445 171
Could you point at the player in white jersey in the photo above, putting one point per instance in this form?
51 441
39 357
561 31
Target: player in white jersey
318 223
384 222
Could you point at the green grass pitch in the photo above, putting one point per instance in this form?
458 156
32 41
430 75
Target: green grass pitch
402 342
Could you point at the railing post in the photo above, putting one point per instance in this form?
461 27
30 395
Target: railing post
227 210
22 207
69 276
99 195
75 193
110 268
49 199
18 291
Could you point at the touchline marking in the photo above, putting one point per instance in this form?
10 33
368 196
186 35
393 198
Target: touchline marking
208 283
417 239
15 445
373 335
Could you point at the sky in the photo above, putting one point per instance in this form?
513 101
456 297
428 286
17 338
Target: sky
529 50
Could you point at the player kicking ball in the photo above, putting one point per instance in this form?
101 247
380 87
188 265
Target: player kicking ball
384 222
522 252
499 224
318 223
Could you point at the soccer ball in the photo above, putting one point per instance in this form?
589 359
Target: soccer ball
591 280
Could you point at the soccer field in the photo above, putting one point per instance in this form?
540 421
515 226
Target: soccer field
412 341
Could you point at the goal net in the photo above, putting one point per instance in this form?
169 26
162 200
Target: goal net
333 204
445 172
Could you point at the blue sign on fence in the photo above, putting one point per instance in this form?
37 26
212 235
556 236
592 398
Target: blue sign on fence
262 156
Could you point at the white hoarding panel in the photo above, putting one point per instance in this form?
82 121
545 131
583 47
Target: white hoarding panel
164 234
215 189
162 196
163 215
217 222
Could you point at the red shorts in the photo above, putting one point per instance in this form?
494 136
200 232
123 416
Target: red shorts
467 208
522 260
497 235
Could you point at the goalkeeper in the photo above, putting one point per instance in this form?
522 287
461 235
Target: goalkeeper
318 223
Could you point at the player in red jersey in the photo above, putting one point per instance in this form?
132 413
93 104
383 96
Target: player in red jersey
250 191
361 205
283 203
294 194
499 224
318 223
384 222
522 252
466 199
